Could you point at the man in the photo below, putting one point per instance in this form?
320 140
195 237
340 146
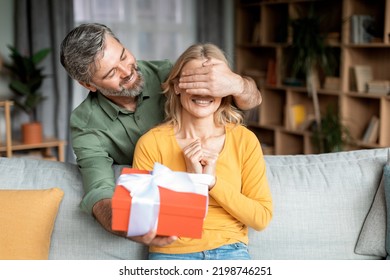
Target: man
124 102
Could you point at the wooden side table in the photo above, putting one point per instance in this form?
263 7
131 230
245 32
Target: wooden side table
45 146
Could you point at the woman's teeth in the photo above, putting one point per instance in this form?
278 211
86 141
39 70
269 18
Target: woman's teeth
202 101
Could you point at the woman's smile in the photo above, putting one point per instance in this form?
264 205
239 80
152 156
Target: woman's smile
202 100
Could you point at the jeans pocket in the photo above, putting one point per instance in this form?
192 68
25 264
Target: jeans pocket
235 251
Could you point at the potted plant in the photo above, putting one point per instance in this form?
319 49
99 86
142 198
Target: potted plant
309 55
26 81
333 134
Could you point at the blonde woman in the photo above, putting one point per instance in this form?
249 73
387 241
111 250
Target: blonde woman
204 134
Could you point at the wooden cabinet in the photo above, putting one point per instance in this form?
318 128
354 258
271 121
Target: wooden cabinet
262 49
44 148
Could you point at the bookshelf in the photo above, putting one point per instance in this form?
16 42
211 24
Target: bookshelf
262 48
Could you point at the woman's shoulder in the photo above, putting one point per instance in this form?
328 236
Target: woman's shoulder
241 134
159 131
239 130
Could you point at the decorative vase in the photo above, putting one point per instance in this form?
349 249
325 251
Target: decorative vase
32 133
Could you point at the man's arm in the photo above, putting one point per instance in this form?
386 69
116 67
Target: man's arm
103 214
250 96
217 79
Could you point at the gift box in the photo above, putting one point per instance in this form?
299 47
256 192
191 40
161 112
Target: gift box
173 203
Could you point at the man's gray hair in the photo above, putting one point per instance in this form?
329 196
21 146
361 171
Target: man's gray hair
81 48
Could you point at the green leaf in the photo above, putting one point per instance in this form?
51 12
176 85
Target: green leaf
33 100
40 55
27 78
20 88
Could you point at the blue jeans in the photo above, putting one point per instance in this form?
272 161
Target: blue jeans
235 251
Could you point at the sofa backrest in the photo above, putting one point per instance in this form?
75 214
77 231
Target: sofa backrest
320 204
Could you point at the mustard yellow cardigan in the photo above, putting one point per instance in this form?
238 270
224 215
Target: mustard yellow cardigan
241 197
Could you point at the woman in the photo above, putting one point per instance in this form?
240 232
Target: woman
204 134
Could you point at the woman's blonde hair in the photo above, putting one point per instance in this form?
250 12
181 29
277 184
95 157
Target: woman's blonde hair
226 112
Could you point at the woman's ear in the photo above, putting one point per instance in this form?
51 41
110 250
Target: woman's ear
176 88
88 86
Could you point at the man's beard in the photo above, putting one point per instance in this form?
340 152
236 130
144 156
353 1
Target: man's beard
134 91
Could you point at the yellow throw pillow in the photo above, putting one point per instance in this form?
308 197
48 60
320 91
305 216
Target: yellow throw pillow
26 222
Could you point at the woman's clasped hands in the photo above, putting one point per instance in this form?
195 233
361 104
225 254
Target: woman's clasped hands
200 160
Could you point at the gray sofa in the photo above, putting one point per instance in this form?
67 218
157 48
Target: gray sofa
320 205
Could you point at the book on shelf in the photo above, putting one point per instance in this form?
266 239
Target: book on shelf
271 72
296 116
380 87
360 26
371 133
362 75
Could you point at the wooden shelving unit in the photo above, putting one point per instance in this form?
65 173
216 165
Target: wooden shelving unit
44 148
263 37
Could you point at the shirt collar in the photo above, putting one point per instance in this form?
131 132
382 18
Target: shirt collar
113 110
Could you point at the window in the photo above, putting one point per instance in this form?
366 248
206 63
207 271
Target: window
150 29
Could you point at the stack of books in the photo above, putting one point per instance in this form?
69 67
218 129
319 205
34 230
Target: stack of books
381 87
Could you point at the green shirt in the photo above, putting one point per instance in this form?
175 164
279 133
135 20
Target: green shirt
104 134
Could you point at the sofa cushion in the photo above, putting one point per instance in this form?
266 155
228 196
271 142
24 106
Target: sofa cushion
372 238
27 220
387 196
76 235
320 203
